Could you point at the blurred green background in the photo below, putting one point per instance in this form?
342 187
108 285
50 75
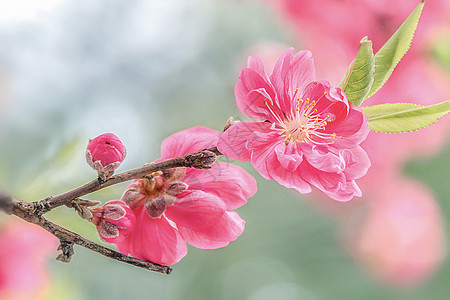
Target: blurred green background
70 70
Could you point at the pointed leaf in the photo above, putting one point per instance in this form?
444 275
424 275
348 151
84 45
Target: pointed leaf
359 77
395 48
404 117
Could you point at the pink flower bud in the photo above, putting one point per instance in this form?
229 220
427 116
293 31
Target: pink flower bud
105 153
113 220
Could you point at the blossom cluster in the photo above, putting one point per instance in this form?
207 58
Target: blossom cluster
308 135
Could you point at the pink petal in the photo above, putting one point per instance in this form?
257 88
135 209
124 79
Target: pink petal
228 228
153 240
195 210
323 159
289 156
334 185
252 92
360 165
256 65
188 141
291 180
291 72
263 156
353 129
232 184
232 143
276 161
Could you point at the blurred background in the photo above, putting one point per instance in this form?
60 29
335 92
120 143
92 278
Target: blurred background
70 70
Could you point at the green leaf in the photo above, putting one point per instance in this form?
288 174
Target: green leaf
404 117
395 48
359 76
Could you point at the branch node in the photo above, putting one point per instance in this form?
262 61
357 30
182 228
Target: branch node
66 248
201 160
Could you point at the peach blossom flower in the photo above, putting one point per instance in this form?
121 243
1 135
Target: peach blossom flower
182 205
113 220
105 153
310 134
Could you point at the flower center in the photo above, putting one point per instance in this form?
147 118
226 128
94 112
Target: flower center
304 123
161 189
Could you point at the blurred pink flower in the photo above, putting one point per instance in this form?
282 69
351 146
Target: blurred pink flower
402 240
113 220
310 134
23 251
105 153
186 205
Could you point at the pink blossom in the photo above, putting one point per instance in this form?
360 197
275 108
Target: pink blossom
113 220
23 251
320 25
182 205
310 134
402 240
105 153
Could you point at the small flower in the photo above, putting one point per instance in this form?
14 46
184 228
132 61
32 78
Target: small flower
113 220
182 205
105 153
310 134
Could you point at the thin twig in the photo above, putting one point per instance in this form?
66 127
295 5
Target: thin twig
67 238
33 212
201 159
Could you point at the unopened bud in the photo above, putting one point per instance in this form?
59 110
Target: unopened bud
113 220
104 154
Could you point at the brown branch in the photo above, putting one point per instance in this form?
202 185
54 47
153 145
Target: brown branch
201 160
68 238
33 212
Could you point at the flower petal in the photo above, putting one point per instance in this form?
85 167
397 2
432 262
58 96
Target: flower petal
188 141
263 156
256 65
252 91
292 72
153 240
232 184
291 180
334 185
359 165
289 156
232 143
354 129
324 159
227 228
195 210
270 157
